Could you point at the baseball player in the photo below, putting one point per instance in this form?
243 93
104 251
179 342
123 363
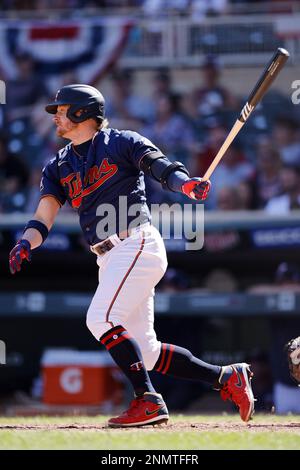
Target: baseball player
92 172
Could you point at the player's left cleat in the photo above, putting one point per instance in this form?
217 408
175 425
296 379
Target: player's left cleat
148 409
235 383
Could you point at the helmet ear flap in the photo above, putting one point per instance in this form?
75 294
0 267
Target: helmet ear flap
78 113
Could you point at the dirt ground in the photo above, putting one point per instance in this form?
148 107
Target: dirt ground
289 426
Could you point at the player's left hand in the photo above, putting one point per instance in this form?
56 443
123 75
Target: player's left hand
20 251
196 188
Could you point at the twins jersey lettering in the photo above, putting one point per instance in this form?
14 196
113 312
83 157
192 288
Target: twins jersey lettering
111 169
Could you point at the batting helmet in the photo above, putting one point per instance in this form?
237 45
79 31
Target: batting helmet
84 98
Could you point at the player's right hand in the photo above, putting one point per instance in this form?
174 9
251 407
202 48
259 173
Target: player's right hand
22 250
196 188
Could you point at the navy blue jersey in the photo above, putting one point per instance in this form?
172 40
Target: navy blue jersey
110 170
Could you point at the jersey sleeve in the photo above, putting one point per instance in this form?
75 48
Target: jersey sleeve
134 146
50 184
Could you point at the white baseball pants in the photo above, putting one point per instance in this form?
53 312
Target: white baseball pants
128 274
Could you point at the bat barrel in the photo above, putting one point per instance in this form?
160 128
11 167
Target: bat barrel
268 76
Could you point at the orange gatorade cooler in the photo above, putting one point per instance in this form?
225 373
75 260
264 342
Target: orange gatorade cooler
78 377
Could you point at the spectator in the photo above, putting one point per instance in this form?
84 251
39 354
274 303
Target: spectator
161 87
174 135
162 84
212 97
13 179
170 131
222 240
164 7
200 9
220 281
286 138
290 199
124 108
245 196
26 89
267 181
174 280
227 199
231 171
235 198
214 139
288 276
33 193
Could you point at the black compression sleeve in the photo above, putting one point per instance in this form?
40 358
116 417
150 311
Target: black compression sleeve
174 180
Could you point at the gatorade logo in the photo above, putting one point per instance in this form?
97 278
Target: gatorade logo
71 380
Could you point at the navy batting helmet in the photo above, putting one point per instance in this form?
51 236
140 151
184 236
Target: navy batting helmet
84 98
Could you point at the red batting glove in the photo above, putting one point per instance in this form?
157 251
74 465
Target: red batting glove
21 251
196 188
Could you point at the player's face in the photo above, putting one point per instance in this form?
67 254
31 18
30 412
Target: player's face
63 124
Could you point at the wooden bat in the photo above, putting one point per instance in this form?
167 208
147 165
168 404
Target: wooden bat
263 84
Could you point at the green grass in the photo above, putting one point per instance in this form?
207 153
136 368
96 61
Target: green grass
200 432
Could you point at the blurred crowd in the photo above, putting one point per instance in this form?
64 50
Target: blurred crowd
193 8
261 169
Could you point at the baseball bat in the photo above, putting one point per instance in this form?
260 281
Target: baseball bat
263 84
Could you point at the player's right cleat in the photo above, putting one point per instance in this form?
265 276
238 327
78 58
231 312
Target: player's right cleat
235 383
147 409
